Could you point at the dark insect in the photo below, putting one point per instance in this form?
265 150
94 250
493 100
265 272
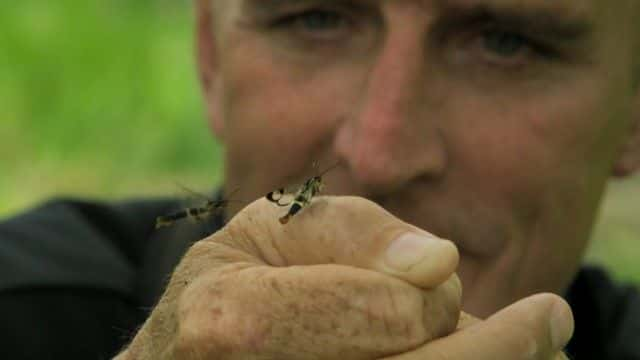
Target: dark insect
302 197
196 214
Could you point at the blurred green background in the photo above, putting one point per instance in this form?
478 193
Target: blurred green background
100 99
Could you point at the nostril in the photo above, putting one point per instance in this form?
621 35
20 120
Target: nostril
384 163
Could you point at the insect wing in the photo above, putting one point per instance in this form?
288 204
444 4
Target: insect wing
192 211
275 196
169 220
283 196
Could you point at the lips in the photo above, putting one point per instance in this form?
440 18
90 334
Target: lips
478 232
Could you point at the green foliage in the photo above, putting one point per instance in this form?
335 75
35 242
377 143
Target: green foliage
98 90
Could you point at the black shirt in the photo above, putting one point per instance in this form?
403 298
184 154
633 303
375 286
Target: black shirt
78 278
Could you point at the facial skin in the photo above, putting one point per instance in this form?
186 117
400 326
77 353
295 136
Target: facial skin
493 123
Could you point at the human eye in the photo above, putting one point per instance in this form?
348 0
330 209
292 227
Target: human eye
316 24
508 48
504 44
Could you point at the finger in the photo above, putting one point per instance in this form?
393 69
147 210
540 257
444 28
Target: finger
332 311
537 327
344 230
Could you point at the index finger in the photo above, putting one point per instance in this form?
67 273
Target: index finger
344 230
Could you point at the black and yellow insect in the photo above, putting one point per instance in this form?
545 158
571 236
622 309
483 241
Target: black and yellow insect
302 197
195 214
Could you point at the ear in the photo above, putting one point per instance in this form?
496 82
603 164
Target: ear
208 66
628 160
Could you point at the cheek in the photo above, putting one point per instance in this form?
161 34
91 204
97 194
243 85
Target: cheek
531 169
526 148
278 109
264 107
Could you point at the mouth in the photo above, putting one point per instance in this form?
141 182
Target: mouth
478 230
476 233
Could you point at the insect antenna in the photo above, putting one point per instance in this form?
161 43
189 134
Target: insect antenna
193 192
330 168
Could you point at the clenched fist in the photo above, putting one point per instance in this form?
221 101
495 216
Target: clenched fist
344 279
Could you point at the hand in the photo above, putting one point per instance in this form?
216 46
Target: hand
334 283
537 327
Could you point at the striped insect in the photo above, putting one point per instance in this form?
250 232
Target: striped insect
196 214
302 197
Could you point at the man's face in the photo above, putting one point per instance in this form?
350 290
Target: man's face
493 123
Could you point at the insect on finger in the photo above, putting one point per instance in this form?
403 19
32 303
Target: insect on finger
303 196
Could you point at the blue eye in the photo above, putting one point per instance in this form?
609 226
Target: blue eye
505 44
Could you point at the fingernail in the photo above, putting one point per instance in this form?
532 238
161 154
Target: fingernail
561 325
409 249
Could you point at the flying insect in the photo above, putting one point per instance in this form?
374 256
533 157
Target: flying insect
302 197
196 214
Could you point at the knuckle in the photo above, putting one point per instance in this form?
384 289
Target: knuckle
253 213
196 250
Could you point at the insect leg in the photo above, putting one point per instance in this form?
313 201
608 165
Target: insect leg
294 209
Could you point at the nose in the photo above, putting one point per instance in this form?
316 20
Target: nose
392 137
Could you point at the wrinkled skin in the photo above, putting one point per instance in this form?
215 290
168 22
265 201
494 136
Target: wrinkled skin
470 119
326 287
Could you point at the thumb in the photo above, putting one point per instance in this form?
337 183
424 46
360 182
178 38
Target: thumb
537 327
344 230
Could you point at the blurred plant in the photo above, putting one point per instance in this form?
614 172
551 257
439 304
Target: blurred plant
95 87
